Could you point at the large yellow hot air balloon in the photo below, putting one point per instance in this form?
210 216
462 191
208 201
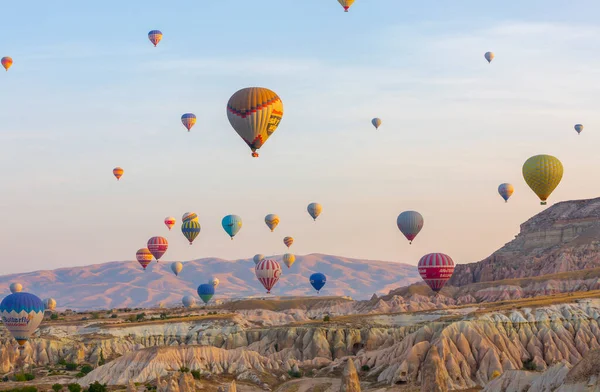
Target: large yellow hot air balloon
543 174
254 113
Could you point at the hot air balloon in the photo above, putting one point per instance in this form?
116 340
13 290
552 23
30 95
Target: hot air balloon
155 36
506 190
190 230
272 221
21 314
258 258
289 259
158 246
144 257
176 267
170 222
188 216
268 272
254 113
376 122
410 224
16 287
543 174
314 209
214 281
118 172
578 128
188 120
188 301
436 269
317 280
232 224
50 303
288 241
206 292
7 62
489 56
346 4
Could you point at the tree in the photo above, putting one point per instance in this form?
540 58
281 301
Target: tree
101 361
163 316
57 387
97 387
54 316
184 369
74 387
85 369
113 316
140 316
71 366
196 374
327 318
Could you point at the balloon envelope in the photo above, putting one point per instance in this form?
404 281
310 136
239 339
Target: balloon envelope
272 220
268 273
50 303
506 190
190 230
258 258
7 62
155 36
16 287
314 210
489 56
158 246
346 4
436 269
170 222
214 281
188 120
188 301
410 224
176 267
289 259
118 172
188 216
543 174
376 122
21 314
232 224
206 291
288 241
254 113
144 257
317 280
578 128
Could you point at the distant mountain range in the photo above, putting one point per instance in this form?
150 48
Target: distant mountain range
125 284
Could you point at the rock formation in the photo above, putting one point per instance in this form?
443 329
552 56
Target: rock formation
350 381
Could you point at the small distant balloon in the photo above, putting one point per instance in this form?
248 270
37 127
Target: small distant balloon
318 280
231 224
16 287
190 230
288 241
289 259
410 224
543 174
188 120
155 36
176 267
206 291
188 216
346 4
50 303
188 301
158 246
144 257
272 220
118 172
258 258
506 190
489 56
314 209
214 281
7 62
21 314
578 128
376 122
268 273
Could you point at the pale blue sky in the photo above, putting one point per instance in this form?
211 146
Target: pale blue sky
88 92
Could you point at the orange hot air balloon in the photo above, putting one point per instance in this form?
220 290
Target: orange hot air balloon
144 257
288 241
118 172
7 62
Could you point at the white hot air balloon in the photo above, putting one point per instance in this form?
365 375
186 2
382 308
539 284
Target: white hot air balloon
50 303
16 287
214 281
188 301
176 267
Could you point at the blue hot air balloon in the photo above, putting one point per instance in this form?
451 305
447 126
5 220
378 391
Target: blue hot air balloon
317 280
206 292
232 224
21 314
190 230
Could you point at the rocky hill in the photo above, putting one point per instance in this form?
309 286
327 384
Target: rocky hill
125 284
565 237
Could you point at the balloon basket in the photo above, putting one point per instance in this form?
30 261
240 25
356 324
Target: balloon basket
543 203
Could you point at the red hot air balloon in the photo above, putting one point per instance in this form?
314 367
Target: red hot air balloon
144 257
158 246
268 273
436 269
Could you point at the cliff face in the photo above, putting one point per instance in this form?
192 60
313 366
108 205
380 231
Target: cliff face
565 237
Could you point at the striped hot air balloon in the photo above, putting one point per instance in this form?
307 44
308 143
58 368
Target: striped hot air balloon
190 230
21 314
289 259
543 174
170 222
188 120
144 257
346 4
268 272
254 113
506 190
7 62
410 224
272 220
188 216
288 241
436 269
158 246
155 36
118 172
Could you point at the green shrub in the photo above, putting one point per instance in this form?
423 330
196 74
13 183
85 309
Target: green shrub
24 377
23 389
140 316
62 362
529 365
57 387
74 387
113 316
294 374
95 315
70 366
101 360
184 369
97 387
54 316
85 369
365 368
326 318
79 375
196 374
163 316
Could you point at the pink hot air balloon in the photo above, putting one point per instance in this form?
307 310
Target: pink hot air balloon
158 246
170 222
268 273
436 269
